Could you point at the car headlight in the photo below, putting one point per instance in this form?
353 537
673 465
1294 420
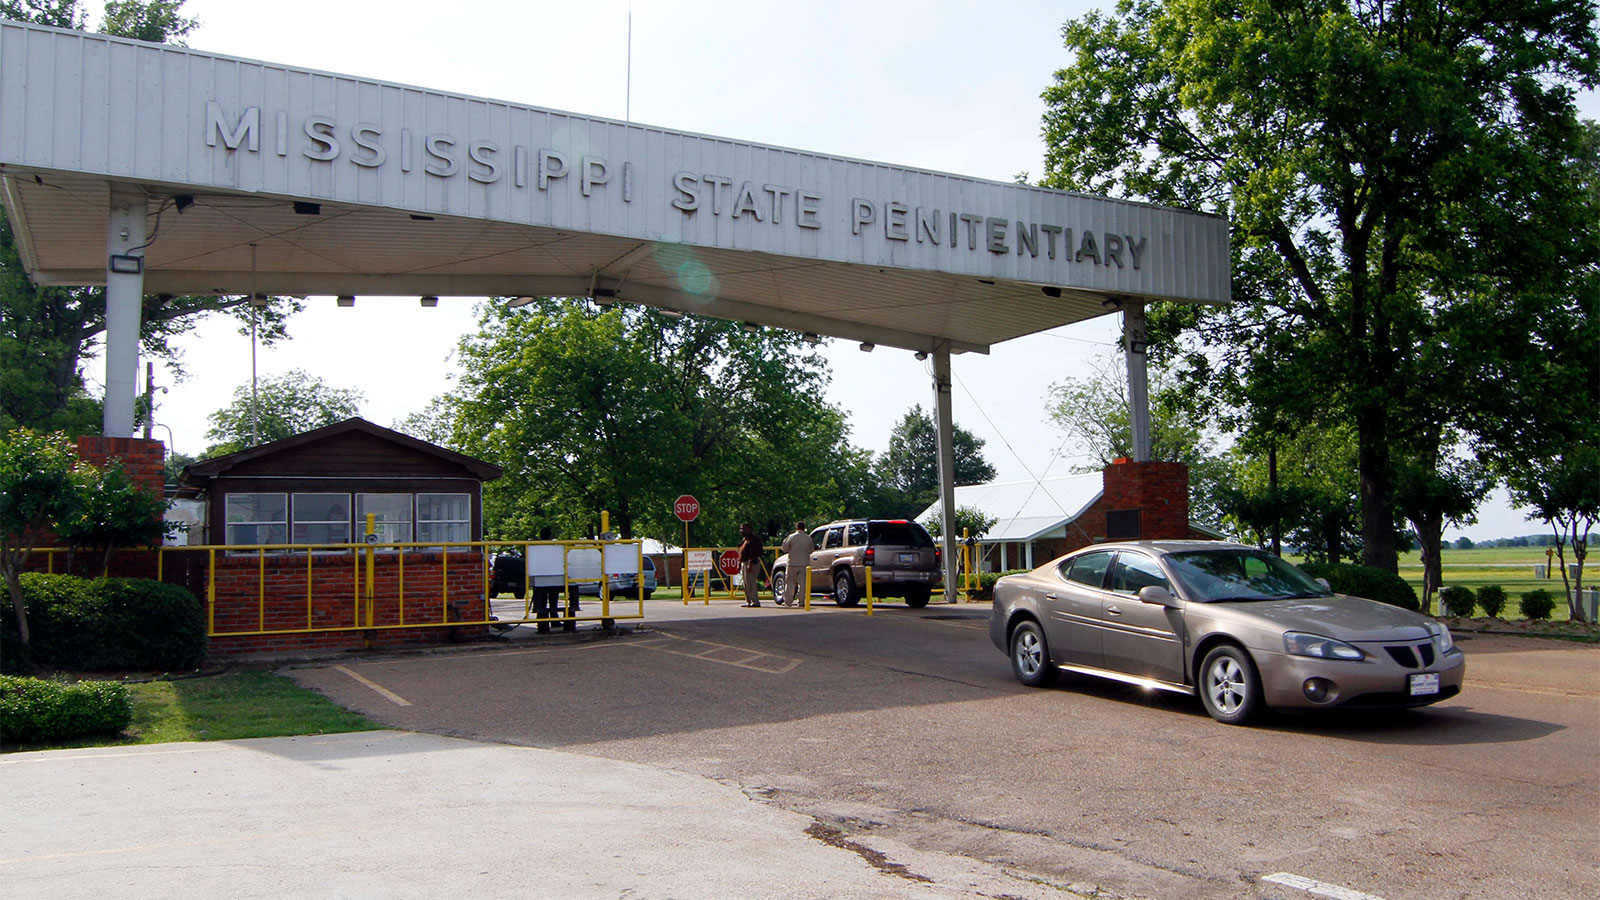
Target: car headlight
1298 643
1442 638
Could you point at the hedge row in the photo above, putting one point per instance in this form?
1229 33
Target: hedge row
1365 581
35 711
88 624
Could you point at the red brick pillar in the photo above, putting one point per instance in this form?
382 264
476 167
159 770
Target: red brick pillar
1147 500
144 461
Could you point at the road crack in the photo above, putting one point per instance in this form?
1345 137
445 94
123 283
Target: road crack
833 837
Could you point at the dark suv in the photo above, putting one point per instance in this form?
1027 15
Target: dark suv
905 563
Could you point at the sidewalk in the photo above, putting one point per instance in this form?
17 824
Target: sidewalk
399 815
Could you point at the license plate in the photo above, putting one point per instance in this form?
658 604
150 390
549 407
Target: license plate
1424 684
908 557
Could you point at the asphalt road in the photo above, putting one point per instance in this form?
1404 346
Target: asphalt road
907 727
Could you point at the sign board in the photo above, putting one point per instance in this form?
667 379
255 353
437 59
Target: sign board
699 560
546 567
583 564
729 562
686 507
622 559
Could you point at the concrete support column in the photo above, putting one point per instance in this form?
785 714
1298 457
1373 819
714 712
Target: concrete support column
124 297
947 465
1134 339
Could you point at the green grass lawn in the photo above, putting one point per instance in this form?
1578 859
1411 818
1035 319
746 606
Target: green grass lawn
243 704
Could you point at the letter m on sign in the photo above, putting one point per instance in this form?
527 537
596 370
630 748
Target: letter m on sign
247 132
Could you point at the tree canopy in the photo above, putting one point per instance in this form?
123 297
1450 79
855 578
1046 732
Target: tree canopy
908 470
622 409
285 405
1409 189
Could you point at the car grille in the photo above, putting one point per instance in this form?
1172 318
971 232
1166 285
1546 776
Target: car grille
1412 656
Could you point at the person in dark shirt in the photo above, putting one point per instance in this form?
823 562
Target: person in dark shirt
750 563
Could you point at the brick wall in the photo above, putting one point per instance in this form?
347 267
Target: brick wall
144 461
1159 490
437 588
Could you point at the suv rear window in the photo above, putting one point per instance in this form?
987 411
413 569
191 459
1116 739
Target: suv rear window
898 534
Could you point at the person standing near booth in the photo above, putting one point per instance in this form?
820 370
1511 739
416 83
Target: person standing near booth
799 547
750 563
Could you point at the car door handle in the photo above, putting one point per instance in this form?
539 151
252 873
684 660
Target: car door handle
1051 597
1114 610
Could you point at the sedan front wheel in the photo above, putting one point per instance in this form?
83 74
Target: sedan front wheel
1229 685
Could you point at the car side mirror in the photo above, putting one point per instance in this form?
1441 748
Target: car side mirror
1158 595
1325 585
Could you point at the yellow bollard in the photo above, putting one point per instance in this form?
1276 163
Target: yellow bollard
869 590
808 588
372 528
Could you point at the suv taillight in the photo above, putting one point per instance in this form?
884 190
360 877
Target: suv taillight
870 554
938 557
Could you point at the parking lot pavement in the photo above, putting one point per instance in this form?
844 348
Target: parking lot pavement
400 815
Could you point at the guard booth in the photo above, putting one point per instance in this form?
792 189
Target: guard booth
288 558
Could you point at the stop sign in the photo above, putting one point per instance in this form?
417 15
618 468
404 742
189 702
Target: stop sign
729 562
686 507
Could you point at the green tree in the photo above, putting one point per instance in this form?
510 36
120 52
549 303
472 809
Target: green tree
1094 412
970 521
45 332
1431 492
110 511
36 491
909 468
1389 168
1564 492
284 406
622 409
1304 490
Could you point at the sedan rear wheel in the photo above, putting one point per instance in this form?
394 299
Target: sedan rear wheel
1229 685
1030 656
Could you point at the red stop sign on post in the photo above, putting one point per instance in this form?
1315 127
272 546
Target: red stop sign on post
686 507
729 562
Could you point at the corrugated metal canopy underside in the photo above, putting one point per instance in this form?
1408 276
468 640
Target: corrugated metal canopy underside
60 219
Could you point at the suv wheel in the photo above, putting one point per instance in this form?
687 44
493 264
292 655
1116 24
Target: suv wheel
917 597
844 589
778 576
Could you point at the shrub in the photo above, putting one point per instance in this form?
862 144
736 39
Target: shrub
1492 600
1457 599
1365 581
33 711
113 623
986 582
1537 604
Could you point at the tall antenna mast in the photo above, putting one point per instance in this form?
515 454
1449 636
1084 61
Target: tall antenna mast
627 103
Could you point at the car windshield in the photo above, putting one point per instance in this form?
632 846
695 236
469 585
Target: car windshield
898 534
1212 575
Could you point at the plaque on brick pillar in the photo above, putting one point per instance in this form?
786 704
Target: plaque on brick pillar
1122 524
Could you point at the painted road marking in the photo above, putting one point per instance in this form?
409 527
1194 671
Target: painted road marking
721 653
391 696
1319 888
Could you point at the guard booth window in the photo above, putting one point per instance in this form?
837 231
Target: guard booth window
446 518
392 512
257 519
321 519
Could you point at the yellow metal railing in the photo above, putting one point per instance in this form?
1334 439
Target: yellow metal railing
366 602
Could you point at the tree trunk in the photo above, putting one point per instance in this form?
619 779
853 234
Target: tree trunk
1430 533
1378 547
14 584
1272 491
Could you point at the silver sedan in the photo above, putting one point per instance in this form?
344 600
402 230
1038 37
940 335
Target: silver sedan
1238 626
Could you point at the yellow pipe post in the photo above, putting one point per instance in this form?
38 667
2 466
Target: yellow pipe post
261 587
211 590
372 529
808 586
869 590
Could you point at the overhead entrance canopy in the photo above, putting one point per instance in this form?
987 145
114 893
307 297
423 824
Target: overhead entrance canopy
347 185
155 169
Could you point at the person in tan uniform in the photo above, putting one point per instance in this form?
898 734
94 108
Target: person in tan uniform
799 547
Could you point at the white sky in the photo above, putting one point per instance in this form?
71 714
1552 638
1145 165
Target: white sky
948 86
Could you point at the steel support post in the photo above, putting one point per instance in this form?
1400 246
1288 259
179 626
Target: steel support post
947 466
1134 339
125 234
